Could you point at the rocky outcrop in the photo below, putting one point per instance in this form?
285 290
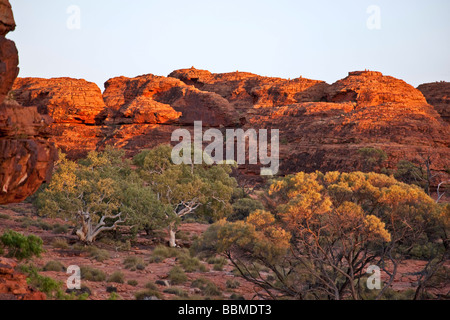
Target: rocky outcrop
26 156
157 100
322 126
438 95
247 90
13 285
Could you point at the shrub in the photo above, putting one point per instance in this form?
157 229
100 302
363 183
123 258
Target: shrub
92 274
114 296
200 283
60 243
233 284
60 229
243 207
211 290
117 277
236 296
191 264
132 283
147 294
20 246
176 291
151 286
4 216
177 276
54 266
98 254
134 263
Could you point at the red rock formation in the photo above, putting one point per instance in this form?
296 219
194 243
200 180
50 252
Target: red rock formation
13 285
26 157
247 90
165 100
438 95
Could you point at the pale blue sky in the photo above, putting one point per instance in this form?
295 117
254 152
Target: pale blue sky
316 39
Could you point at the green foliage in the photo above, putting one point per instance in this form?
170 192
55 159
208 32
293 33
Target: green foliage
133 282
52 288
117 277
321 222
233 284
60 243
98 254
177 276
114 296
147 294
373 158
184 189
176 291
411 173
211 290
96 193
20 246
243 207
91 274
134 263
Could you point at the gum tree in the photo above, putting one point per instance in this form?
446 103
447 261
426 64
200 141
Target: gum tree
185 189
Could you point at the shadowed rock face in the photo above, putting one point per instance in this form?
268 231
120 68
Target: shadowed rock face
438 95
322 126
26 156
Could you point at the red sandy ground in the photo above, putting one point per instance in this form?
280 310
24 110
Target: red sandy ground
153 271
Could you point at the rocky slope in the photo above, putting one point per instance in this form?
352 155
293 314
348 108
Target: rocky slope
321 126
438 95
13 285
26 156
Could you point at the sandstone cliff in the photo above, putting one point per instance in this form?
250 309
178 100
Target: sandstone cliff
321 126
26 157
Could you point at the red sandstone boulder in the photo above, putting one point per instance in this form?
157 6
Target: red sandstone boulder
13 285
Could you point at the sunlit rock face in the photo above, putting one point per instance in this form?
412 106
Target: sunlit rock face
322 126
26 155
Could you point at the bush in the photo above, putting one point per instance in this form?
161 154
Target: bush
147 294
4 216
176 291
98 254
134 263
177 276
54 266
132 283
243 207
212 290
60 229
151 286
92 274
60 243
114 296
117 277
235 296
20 246
233 284
190 264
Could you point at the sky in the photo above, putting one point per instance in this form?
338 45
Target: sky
321 39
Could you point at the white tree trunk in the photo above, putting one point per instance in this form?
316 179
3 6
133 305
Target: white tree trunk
172 237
